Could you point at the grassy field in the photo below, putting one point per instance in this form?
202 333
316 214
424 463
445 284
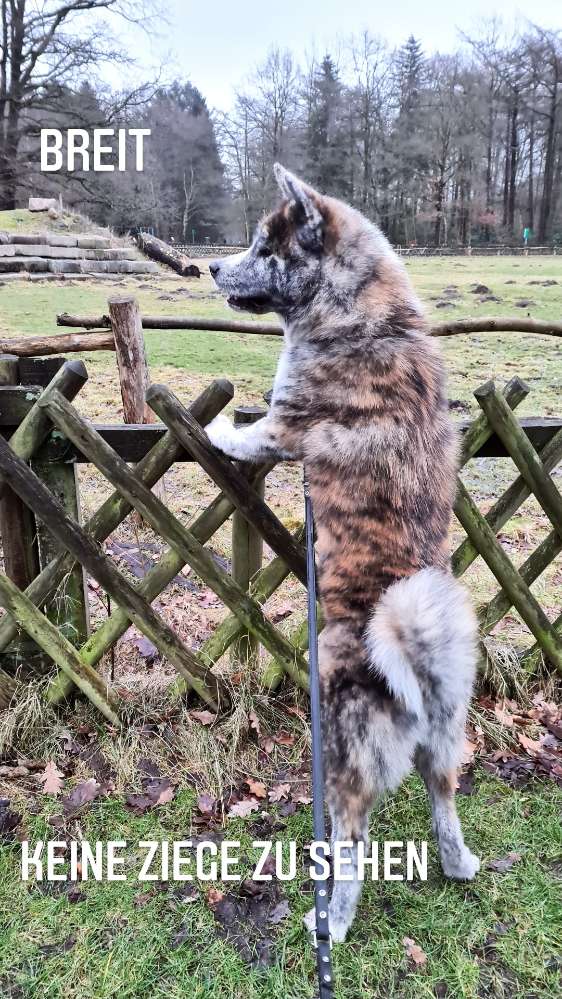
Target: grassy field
496 938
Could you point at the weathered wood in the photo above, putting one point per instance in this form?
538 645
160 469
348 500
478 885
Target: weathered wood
9 369
113 511
131 359
264 583
484 324
493 554
39 370
59 343
247 547
53 642
133 442
36 425
164 253
479 431
69 610
16 402
168 527
497 324
155 581
531 569
231 481
84 322
522 452
507 504
37 497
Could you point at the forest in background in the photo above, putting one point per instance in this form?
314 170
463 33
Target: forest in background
439 149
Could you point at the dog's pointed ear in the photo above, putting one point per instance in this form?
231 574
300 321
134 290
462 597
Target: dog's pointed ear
309 219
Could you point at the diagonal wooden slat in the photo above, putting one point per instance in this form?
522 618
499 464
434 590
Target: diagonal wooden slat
115 508
50 639
531 569
37 497
155 581
228 477
522 451
484 539
164 522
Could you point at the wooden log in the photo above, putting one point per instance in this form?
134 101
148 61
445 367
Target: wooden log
168 527
164 253
59 343
497 324
247 547
37 497
53 642
484 324
114 510
131 359
521 597
231 481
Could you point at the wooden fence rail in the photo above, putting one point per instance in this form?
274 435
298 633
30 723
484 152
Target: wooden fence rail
51 425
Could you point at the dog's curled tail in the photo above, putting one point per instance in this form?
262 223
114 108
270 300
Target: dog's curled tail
422 640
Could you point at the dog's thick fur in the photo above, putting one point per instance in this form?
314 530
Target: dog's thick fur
359 397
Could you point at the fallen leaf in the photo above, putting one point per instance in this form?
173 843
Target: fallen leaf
81 795
206 804
284 739
214 896
145 647
532 746
503 715
254 723
282 612
205 717
257 788
469 751
51 779
243 808
414 951
279 792
503 864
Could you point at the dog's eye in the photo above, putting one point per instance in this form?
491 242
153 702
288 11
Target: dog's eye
265 252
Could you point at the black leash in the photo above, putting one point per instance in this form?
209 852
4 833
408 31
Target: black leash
322 939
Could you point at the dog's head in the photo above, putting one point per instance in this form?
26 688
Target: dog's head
311 248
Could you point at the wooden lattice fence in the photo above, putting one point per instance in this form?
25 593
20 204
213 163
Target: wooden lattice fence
37 469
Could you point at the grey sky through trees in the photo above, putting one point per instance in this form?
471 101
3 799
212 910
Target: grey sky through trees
216 45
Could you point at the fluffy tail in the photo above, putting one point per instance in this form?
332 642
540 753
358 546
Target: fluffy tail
422 640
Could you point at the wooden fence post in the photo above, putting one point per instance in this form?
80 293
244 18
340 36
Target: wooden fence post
126 325
247 549
18 534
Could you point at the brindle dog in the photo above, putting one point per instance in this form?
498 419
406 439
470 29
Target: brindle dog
359 397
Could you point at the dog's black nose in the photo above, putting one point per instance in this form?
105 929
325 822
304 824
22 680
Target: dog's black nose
214 268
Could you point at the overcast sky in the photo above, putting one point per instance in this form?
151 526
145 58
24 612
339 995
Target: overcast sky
217 43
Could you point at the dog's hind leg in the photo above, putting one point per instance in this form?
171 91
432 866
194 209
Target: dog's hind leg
456 859
350 826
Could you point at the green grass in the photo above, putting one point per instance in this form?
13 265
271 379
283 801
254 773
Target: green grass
123 949
250 361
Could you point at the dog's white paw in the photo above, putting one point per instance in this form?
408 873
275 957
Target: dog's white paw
465 868
219 431
338 931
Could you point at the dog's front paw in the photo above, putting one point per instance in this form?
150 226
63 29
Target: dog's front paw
219 431
463 868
